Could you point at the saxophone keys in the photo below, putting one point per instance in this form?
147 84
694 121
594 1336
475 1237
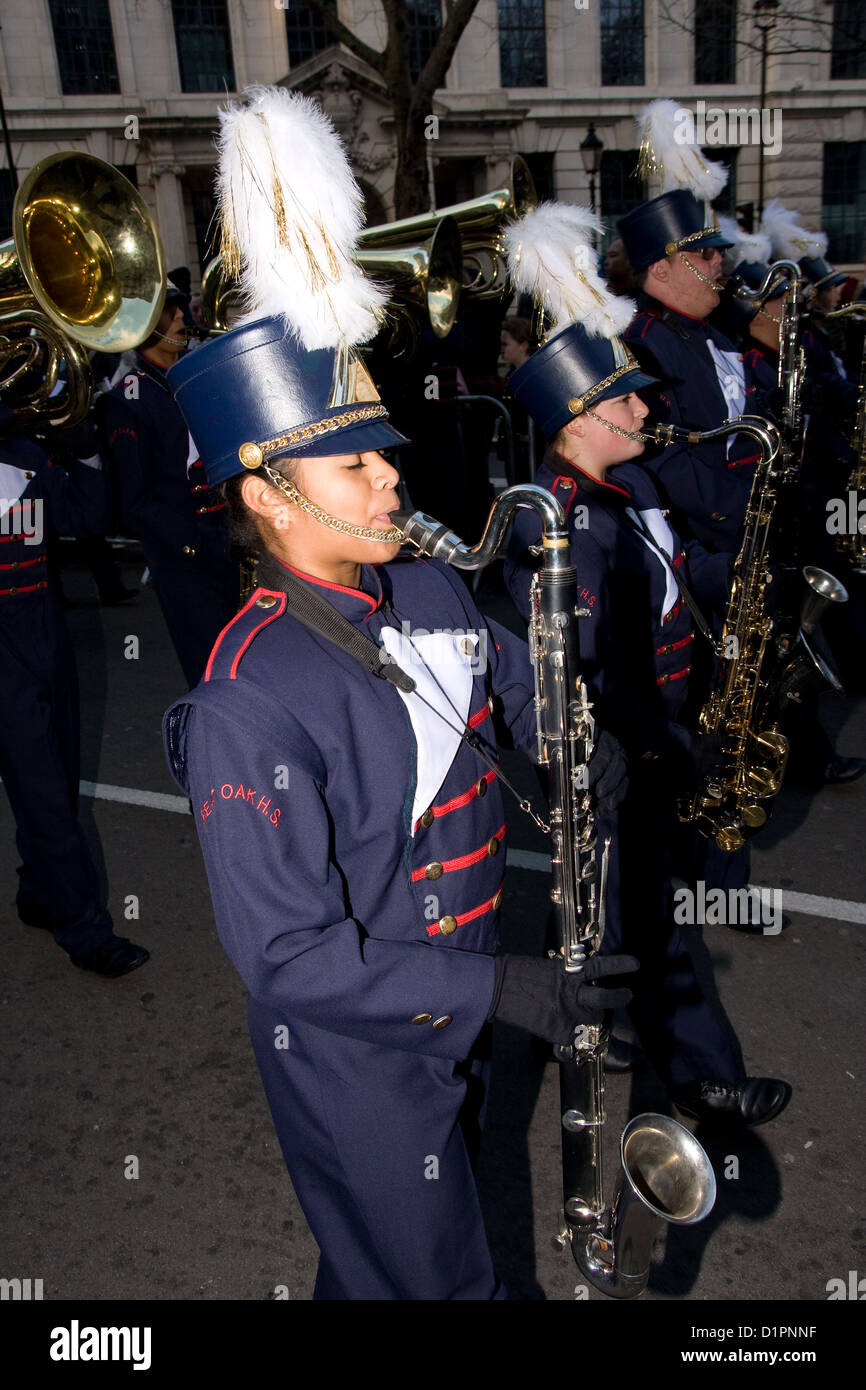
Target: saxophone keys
730 837
754 815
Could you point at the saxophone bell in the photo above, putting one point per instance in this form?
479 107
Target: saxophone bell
666 1177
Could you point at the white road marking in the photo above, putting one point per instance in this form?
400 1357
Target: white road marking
158 801
834 909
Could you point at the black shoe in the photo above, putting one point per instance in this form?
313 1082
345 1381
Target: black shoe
840 770
755 1101
621 1056
114 957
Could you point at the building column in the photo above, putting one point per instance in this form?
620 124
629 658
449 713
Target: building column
170 216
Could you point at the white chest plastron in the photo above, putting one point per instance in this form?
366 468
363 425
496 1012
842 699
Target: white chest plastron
661 533
13 482
192 453
732 380
453 658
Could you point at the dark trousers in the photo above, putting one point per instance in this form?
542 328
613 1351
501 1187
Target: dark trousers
197 601
678 1028
39 764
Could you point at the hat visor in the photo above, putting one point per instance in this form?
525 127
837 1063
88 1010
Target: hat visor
711 238
837 278
635 380
368 437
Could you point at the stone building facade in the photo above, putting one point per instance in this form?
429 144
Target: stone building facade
115 77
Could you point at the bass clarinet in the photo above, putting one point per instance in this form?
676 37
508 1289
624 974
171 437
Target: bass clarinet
666 1175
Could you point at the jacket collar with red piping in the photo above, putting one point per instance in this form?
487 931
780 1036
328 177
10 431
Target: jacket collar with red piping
354 604
617 494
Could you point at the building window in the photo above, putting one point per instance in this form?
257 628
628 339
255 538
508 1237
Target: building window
522 44
844 199
85 47
621 188
726 202
848 54
306 33
715 41
622 43
204 47
425 24
541 168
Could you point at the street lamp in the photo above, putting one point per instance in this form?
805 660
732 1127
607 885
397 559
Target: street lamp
590 152
765 20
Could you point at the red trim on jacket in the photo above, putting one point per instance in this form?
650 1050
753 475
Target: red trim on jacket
276 612
26 588
24 564
434 928
229 625
465 861
479 717
674 646
674 676
741 463
337 588
462 800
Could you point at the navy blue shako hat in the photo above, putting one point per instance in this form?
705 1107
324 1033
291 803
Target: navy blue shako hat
254 394
675 221
573 372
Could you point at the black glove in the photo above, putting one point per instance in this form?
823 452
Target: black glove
537 994
608 774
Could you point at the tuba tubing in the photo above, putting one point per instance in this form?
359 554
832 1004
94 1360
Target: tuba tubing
666 1175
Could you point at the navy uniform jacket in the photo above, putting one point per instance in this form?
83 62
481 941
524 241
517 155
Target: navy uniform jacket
705 485
165 501
636 640
161 502
355 860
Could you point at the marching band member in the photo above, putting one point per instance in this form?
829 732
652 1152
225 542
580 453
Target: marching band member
352 825
676 256
165 499
58 883
636 639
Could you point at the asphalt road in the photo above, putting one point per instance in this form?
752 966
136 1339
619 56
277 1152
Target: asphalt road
157 1067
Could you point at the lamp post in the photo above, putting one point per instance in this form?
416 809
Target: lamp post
765 20
590 152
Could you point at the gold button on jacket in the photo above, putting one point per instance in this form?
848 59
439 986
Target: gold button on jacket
448 925
443 1021
433 870
422 1018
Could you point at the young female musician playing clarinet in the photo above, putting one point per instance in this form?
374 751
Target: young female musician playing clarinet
353 836
636 637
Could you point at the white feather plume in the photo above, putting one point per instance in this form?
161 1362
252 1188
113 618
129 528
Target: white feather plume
290 213
551 257
669 148
790 240
747 246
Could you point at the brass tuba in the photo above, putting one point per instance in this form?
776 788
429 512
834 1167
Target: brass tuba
84 269
480 221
